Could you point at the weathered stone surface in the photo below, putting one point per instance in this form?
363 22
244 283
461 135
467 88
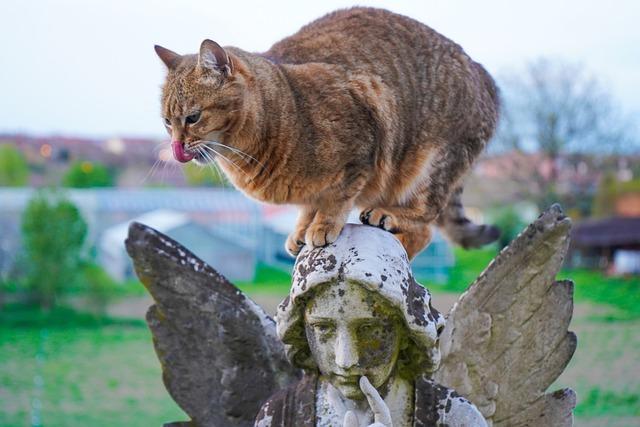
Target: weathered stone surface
357 319
506 340
377 262
218 349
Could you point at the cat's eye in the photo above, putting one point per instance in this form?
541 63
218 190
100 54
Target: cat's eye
167 122
193 118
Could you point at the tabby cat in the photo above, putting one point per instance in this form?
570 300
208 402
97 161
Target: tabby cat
361 108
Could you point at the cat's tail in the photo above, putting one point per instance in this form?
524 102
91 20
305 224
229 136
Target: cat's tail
461 230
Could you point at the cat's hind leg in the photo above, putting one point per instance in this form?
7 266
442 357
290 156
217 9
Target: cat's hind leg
409 217
429 197
405 222
414 237
452 221
381 218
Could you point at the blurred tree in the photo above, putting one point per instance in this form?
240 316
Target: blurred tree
610 190
88 174
53 232
203 176
510 224
100 287
564 115
14 170
604 200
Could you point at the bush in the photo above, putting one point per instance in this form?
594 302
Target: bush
87 175
622 293
510 224
469 264
599 402
53 232
100 287
203 176
609 190
14 171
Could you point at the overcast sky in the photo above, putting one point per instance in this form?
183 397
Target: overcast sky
87 68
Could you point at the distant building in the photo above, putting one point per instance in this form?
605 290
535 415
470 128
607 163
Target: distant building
432 264
224 227
139 161
227 256
628 204
225 214
436 261
611 244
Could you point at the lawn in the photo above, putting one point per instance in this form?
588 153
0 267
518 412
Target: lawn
604 369
69 369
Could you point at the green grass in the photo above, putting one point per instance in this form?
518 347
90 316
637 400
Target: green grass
603 370
102 371
14 316
268 280
623 293
99 371
599 402
70 370
468 266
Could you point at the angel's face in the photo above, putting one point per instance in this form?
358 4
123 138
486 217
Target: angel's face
352 332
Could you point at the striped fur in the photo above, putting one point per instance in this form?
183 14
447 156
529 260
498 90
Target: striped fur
361 108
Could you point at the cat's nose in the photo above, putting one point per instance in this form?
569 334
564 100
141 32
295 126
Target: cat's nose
180 153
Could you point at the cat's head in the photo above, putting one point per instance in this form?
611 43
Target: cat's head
202 99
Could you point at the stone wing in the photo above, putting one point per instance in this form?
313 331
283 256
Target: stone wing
220 355
506 339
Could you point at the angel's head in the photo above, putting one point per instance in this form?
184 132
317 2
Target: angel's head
352 332
355 309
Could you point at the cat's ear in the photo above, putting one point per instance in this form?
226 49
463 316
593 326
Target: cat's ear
213 57
169 57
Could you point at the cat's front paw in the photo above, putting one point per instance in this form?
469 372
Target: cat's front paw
294 243
322 233
380 218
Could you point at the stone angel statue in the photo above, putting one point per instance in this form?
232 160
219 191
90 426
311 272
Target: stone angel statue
357 342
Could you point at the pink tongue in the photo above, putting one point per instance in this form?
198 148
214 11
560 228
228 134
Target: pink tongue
179 152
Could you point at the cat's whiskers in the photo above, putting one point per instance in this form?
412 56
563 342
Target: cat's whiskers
212 164
156 164
163 177
175 166
221 175
231 162
159 146
237 151
151 171
205 143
